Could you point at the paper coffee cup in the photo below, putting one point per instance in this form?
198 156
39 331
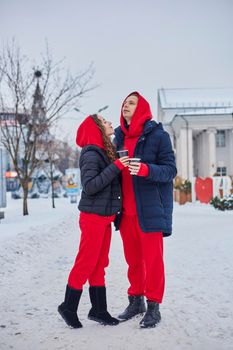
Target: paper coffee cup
134 160
122 153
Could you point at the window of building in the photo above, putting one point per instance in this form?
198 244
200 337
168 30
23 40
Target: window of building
221 171
221 138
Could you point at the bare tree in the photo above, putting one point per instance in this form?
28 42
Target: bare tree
37 100
67 156
50 153
58 156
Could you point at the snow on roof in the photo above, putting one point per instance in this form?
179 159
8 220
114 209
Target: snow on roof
196 97
208 111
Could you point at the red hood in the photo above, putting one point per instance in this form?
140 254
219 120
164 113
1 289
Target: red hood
88 133
141 115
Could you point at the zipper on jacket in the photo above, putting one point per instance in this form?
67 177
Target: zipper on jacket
141 139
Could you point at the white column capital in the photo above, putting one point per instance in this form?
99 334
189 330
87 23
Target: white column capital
211 131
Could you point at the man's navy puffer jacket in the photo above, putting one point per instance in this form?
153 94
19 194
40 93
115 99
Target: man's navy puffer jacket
154 193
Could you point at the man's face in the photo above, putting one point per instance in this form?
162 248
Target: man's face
129 107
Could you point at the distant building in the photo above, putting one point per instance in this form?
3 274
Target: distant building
200 123
8 118
18 124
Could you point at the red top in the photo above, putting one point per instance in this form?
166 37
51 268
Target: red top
88 133
141 115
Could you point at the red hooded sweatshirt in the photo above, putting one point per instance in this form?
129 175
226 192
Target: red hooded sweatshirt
88 133
132 133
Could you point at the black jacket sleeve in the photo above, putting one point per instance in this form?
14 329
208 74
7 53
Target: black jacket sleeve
93 178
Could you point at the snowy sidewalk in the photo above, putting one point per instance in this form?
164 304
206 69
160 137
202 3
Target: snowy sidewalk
197 312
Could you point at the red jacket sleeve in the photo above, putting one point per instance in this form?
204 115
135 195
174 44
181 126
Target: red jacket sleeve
144 170
119 164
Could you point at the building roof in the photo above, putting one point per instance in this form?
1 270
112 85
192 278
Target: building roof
196 98
208 111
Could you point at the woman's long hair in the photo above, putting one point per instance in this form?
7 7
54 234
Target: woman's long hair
109 147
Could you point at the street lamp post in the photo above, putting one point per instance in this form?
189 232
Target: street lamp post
79 111
85 114
2 176
99 110
102 109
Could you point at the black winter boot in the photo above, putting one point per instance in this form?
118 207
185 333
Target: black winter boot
136 306
152 316
68 309
99 311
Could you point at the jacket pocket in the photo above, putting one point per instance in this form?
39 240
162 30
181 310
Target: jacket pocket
159 195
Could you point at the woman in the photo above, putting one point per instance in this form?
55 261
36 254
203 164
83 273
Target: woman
99 204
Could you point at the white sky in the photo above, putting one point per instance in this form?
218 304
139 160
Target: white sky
135 45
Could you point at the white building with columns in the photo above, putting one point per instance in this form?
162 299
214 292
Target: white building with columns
200 123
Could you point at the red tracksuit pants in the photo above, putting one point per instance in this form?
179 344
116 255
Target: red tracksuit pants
144 256
92 257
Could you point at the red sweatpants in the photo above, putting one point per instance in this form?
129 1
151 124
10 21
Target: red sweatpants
144 256
92 257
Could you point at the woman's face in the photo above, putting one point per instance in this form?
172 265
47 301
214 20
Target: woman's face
129 107
107 126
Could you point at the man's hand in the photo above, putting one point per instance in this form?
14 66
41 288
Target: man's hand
134 168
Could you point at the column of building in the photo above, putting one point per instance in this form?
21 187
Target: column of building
185 153
211 163
230 171
190 153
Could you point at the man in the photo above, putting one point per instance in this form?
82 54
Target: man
147 190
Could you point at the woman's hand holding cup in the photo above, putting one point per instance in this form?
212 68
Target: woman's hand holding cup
123 157
124 161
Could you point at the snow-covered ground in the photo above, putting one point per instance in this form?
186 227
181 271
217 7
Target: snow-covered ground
37 252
